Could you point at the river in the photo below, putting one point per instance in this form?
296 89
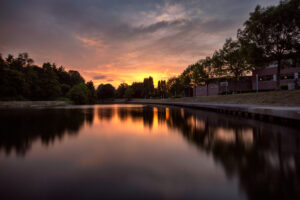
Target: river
145 152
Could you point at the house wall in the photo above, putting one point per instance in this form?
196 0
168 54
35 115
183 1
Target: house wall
271 72
200 90
217 88
244 84
267 81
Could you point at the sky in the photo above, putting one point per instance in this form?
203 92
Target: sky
115 41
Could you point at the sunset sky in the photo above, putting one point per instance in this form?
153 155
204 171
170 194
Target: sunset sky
114 41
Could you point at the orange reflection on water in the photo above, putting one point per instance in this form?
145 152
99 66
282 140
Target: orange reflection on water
132 118
167 113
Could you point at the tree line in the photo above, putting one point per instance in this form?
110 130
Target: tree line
21 79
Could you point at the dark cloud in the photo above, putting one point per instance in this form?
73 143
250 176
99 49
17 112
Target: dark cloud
99 77
115 36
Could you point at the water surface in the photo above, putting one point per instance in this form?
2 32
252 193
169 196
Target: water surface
145 152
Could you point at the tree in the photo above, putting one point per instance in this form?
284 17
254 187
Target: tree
92 92
105 91
50 86
121 90
79 94
148 87
12 84
233 60
199 75
138 89
20 79
186 80
75 77
174 86
206 69
274 31
129 93
162 88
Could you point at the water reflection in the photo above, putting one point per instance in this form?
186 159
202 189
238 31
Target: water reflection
19 129
264 157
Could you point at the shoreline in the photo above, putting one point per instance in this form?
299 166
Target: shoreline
260 112
281 106
31 104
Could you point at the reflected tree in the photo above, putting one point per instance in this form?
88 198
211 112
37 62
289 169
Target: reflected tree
19 129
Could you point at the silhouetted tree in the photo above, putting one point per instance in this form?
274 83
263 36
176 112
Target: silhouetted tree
175 87
75 78
162 88
121 90
105 91
138 89
20 79
128 93
92 92
148 87
79 94
274 32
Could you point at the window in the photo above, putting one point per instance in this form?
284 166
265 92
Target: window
266 78
286 76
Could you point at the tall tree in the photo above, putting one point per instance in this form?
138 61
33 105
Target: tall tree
162 88
275 31
186 80
75 78
234 59
148 87
206 69
174 86
92 92
137 89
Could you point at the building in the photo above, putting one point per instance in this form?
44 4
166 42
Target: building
262 79
267 78
223 86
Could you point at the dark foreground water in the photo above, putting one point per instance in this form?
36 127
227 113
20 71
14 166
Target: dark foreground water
144 152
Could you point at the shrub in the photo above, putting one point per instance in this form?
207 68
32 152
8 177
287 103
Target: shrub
284 87
79 94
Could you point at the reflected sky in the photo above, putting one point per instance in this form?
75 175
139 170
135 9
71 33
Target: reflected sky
145 152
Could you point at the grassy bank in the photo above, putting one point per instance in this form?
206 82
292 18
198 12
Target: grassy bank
31 104
274 98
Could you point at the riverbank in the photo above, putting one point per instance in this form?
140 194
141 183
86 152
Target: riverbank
282 105
31 104
266 113
269 106
273 98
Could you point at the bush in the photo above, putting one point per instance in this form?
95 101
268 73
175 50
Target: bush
284 87
79 94
65 99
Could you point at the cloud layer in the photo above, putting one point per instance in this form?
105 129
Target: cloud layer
116 40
